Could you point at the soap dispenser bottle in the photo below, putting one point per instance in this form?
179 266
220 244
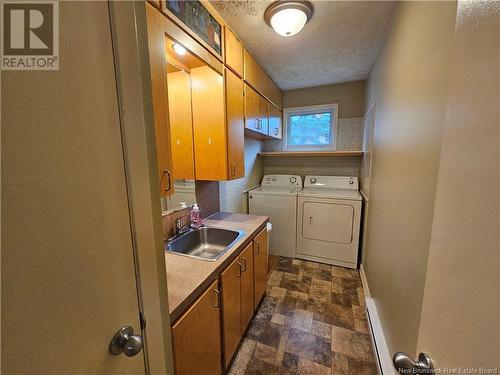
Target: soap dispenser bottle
195 216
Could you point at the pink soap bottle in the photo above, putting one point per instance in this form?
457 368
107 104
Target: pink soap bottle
195 216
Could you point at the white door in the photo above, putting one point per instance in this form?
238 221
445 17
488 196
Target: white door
68 276
459 325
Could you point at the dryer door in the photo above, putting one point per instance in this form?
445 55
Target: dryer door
331 222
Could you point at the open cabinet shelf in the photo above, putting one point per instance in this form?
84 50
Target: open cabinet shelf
310 153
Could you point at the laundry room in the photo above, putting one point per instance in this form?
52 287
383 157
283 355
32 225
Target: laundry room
250 187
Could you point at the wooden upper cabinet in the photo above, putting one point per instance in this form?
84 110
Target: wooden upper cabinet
231 309
209 125
260 265
156 47
247 307
235 125
252 110
233 50
275 95
196 336
255 75
275 122
181 124
264 115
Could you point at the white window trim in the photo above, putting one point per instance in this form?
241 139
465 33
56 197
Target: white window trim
311 109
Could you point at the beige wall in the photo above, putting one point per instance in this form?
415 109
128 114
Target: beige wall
409 84
349 95
459 325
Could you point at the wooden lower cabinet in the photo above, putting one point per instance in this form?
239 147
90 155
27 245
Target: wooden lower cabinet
247 308
199 345
231 309
260 265
196 336
237 301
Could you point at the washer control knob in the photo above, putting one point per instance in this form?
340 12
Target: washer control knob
274 178
269 179
293 180
313 180
351 182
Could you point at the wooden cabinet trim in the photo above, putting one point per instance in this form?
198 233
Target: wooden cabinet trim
181 25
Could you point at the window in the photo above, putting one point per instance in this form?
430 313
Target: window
311 128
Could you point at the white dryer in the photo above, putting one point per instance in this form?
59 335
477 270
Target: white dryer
328 220
277 198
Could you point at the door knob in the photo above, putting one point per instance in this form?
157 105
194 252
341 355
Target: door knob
404 364
124 341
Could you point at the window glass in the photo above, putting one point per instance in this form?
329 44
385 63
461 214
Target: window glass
311 129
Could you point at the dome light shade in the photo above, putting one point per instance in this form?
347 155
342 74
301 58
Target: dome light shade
287 18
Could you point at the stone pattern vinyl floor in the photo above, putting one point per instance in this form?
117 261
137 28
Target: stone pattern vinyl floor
311 321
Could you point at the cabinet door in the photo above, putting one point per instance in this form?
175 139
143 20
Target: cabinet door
264 115
275 96
275 121
234 52
181 124
231 309
235 126
252 115
209 124
254 74
196 337
260 265
247 305
156 44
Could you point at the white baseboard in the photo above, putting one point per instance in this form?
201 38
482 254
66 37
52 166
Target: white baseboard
384 358
364 281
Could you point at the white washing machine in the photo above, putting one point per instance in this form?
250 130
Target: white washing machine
328 220
277 198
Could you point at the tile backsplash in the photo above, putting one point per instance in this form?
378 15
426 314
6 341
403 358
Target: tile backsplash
349 138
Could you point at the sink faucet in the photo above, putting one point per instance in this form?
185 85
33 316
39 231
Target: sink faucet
179 228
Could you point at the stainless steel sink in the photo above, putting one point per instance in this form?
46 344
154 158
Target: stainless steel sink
205 243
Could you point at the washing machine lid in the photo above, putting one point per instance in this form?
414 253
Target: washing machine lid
345 194
282 190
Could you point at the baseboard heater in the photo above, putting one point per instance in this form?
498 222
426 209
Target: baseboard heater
382 354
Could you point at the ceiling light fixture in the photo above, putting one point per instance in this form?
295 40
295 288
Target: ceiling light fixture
180 50
287 18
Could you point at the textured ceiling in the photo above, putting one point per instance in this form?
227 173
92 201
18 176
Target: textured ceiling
339 43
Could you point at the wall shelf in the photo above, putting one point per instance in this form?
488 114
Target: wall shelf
310 153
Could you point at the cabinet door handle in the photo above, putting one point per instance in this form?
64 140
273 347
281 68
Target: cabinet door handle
217 298
244 264
258 248
240 269
169 181
233 169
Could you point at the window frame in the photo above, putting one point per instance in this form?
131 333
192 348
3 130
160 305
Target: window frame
312 109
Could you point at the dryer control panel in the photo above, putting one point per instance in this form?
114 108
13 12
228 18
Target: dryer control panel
332 182
277 180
